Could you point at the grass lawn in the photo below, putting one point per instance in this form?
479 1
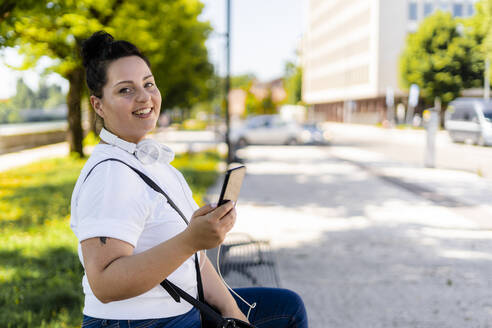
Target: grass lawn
40 273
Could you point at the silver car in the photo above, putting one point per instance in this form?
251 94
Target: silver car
470 120
267 129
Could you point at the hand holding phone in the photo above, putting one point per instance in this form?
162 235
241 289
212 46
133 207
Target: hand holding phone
232 184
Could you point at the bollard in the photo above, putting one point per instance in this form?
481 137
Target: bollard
432 127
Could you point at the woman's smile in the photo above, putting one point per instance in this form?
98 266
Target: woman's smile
144 112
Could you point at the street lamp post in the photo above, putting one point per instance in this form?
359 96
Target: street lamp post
230 151
486 81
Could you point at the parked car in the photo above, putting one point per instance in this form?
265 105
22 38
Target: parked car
267 129
314 133
469 120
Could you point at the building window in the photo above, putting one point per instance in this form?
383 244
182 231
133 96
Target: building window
412 11
443 6
457 10
428 8
471 9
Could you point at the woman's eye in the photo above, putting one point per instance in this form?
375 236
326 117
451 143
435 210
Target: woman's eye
125 90
149 85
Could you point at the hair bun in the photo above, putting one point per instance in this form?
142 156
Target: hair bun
94 47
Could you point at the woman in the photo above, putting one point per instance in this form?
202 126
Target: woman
130 239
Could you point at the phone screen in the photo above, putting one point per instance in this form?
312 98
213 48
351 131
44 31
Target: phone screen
232 184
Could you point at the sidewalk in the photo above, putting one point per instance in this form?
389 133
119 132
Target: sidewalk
24 157
363 251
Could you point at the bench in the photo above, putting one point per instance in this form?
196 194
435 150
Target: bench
246 262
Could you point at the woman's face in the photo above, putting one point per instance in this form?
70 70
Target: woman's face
131 102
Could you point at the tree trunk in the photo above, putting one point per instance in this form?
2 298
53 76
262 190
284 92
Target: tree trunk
74 97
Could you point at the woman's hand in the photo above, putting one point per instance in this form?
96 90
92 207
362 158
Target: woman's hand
209 225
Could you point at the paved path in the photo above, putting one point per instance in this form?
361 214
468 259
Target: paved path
366 252
24 157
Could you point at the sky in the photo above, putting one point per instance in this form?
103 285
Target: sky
264 36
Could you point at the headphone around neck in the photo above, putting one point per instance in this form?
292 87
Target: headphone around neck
147 151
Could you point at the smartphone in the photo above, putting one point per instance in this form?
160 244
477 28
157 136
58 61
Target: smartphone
232 184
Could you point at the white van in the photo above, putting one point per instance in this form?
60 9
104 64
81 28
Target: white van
469 120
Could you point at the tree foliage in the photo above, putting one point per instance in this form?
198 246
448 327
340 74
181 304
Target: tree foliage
168 32
46 97
442 57
481 25
243 81
267 104
253 105
293 83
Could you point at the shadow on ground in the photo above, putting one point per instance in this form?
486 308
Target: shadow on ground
405 275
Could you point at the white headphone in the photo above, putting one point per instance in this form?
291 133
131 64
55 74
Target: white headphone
147 151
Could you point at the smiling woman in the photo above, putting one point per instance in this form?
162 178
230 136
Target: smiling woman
127 98
132 103
130 238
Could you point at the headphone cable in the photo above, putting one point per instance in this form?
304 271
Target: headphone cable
251 306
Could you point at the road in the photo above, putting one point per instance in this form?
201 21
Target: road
408 146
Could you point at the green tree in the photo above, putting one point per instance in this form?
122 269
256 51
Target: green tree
8 6
442 57
8 113
479 27
293 83
267 103
242 81
168 32
46 97
24 97
54 96
481 24
253 105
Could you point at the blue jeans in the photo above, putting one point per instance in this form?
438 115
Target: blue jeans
275 308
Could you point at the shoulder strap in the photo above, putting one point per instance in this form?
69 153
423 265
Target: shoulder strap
166 284
200 305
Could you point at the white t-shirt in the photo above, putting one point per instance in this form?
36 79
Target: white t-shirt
115 202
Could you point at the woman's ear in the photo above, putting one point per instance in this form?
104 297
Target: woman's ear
97 105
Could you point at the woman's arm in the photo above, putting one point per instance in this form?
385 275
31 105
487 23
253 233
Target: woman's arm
114 273
217 294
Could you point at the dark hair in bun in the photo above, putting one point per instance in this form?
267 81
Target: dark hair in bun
98 52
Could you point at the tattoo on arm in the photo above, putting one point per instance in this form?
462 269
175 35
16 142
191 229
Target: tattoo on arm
103 240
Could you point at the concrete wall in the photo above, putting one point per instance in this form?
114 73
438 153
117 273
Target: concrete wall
10 143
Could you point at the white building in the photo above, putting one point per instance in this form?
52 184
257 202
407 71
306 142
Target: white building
351 52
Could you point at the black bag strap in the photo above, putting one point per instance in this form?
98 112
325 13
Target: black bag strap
203 307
